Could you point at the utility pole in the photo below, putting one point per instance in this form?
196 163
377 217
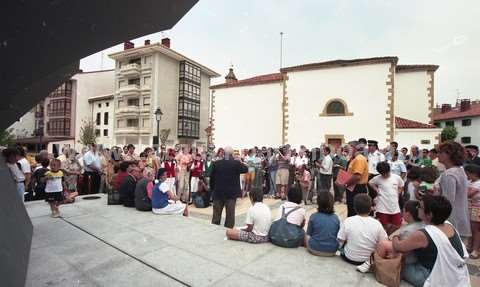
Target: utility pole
281 49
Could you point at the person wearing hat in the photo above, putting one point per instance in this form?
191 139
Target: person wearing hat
472 154
374 157
358 170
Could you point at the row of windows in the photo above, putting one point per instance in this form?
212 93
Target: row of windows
189 110
465 123
189 72
105 132
59 127
188 128
59 107
105 118
134 102
106 104
65 90
133 123
189 90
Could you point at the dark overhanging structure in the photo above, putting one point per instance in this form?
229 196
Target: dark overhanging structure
41 44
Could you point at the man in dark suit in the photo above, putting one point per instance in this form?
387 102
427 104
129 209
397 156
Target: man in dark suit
225 183
127 187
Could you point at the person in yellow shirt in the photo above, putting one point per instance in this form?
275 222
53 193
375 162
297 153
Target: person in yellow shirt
358 170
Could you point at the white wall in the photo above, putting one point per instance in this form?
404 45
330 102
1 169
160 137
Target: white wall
411 96
25 126
364 90
89 85
248 116
106 141
409 137
472 131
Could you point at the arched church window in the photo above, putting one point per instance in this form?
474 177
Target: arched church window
335 108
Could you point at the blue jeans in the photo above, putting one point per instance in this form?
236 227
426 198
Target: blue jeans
21 190
273 187
415 274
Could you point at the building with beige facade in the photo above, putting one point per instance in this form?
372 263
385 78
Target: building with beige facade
152 77
329 102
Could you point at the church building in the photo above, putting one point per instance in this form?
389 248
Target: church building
329 102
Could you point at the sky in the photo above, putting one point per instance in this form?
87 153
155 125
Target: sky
246 34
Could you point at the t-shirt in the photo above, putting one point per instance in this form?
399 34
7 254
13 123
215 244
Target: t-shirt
296 217
252 162
387 198
25 166
411 191
475 198
362 234
260 216
397 167
91 159
373 159
327 165
17 174
323 229
54 184
359 165
160 196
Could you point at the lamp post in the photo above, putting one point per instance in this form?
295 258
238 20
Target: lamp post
158 117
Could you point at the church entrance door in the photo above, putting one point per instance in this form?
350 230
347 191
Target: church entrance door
335 142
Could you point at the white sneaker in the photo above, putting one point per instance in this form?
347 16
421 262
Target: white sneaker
365 267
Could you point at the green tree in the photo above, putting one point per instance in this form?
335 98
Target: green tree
449 133
87 133
7 138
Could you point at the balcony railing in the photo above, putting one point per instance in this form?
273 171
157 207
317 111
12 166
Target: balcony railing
129 90
130 70
132 130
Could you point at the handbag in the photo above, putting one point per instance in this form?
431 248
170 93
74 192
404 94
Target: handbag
387 270
286 234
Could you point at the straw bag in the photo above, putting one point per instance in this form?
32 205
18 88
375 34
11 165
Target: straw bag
387 270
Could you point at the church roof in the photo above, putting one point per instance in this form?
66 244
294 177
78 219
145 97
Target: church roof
258 80
231 75
341 63
402 123
414 68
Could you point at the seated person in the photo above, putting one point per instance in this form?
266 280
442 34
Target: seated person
360 234
414 223
127 187
323 226
438 248
163 199
202 196
258 221
143 199
294 198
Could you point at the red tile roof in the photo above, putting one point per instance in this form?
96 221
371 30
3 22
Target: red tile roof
341 63
455 113
414 68
401 123
258 80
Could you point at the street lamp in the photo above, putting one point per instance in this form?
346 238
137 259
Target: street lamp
158 117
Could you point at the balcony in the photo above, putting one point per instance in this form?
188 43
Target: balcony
145 87
130 70
128 111
146 68
132 131
129 90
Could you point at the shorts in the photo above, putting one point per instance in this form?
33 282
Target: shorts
53 196
395 219
282 176
250 176
251 237
474 214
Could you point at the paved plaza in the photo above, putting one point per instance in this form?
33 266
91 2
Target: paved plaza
94 244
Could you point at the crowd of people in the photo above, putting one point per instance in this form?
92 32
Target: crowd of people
424 204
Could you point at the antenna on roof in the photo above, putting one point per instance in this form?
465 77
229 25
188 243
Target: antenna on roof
281 49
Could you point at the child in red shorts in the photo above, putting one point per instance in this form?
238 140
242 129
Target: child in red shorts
388 186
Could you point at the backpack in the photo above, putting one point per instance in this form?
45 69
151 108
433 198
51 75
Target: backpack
286 234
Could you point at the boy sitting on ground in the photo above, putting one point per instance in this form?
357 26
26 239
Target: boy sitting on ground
360 234
163 199
259 219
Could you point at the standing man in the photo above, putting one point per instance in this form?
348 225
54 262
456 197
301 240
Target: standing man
326 169
225 183
93 169
374 158
184 161
358 170
339 162
282 176
393 148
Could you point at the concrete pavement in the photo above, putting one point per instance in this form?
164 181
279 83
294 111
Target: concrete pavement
99 245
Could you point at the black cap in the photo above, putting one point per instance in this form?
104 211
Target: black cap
362 140
372 142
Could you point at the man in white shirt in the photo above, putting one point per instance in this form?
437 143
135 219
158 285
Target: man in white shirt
374 157
325 170
300 160
11 157
24 165
93 169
